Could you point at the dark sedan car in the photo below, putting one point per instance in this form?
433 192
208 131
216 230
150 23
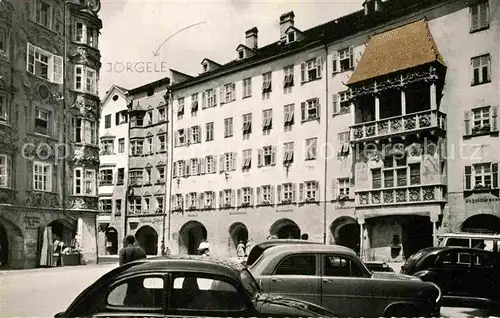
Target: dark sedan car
465 275
184 286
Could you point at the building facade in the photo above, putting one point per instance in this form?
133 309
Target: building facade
342 132
113 171
49 103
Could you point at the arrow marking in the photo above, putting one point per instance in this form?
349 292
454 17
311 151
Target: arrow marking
155 53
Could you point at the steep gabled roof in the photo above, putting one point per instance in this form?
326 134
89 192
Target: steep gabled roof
112 91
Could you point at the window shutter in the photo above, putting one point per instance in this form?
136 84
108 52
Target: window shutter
303 72
494 175
176 138
252 197
203 167
301 192
9 172
335 186
186 197
214 165
259 199
335 100
221 95
233 198
473 63
117 119
176 167
233 85
474 17
317 191
351 188
294 192
201 197
273 199
468 178
57 74
260 154
273 155
238 195
203 100
279 193
173 202
318 109
467 122
189 135
303 110
221 198
494 118
233 162
72 125
319 66
221 164
335 62
351 56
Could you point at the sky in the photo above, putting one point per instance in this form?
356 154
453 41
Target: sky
132 40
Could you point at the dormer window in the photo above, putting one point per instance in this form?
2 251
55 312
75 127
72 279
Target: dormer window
205 67
290 37
241 54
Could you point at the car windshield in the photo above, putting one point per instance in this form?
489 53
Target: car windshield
249 283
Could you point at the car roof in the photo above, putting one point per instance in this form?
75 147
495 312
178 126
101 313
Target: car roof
469 235
312 248
274 242
438 249
200 264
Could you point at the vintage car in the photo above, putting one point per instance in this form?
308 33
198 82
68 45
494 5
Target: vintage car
257 250
333 277
184 286
466 276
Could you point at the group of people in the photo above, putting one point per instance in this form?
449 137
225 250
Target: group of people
243 249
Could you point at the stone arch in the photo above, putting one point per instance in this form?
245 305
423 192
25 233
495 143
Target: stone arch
191 235
345 231
11 244
147 238
238 232
111 241
481 223
284 229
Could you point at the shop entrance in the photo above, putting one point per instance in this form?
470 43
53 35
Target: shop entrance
285 229
191 235
482 223
4 247
345 231
111 241
238 232
147 238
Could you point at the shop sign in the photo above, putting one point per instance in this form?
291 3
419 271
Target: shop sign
284 210
237 212
31 221
192 214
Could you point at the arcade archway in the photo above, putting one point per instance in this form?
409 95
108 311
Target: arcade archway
238 232
147 238
191 235
482 223
285 229
111 241
11 245
345 231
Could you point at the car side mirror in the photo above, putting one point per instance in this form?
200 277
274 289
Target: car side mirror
60 314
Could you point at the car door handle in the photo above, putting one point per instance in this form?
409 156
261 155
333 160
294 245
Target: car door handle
327 280
276 280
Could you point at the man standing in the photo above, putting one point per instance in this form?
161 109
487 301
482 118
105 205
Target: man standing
130 252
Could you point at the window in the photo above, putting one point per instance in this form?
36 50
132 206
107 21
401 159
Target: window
345 104
42 176
376 178
107 121
209 199
481 69
193 198
288 79
120 118
312 188
85 34
212 295
194 166
120 179
267 121
138 292
118 207
194 104
85 131
209 99
147 176
107 147
195 134
228 127
149 146
246 198
180 107
137 121
288 119
395 172
227 198
43 122
344 188
106 205
121 145
44 64
85 79
161 174
482 175
42 13
337 266
149 117
297 265
288 193
479 16
84 182
247 159
181 167
162 114
311 70
159 204
4 42
135 206
290 37
162 141
180 138
210 164
247 125
178 203
4 109
266 85
135 177
147 205
414 173
137 147
228 161
106 177
209 130
311 148
344 143
481 120
463 258
241 54
288 152
343 60
267 156
247 87
267 194
310 109
228 93
5 171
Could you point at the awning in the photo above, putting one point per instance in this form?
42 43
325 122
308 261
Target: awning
396 50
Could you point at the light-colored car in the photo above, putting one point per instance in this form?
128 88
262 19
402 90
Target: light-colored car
335 278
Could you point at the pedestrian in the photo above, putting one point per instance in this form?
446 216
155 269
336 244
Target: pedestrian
240 250
204 248
248 247
130 251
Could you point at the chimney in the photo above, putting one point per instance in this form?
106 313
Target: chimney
286 21
251 37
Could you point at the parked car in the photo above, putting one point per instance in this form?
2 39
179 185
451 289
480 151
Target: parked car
334 277
183 286
488 242
465 275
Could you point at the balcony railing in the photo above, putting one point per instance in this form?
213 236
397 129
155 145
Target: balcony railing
401 195
414 122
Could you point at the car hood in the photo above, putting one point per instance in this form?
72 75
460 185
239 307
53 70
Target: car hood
272 305
388 275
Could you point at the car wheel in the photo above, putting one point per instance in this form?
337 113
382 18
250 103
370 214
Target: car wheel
403 311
